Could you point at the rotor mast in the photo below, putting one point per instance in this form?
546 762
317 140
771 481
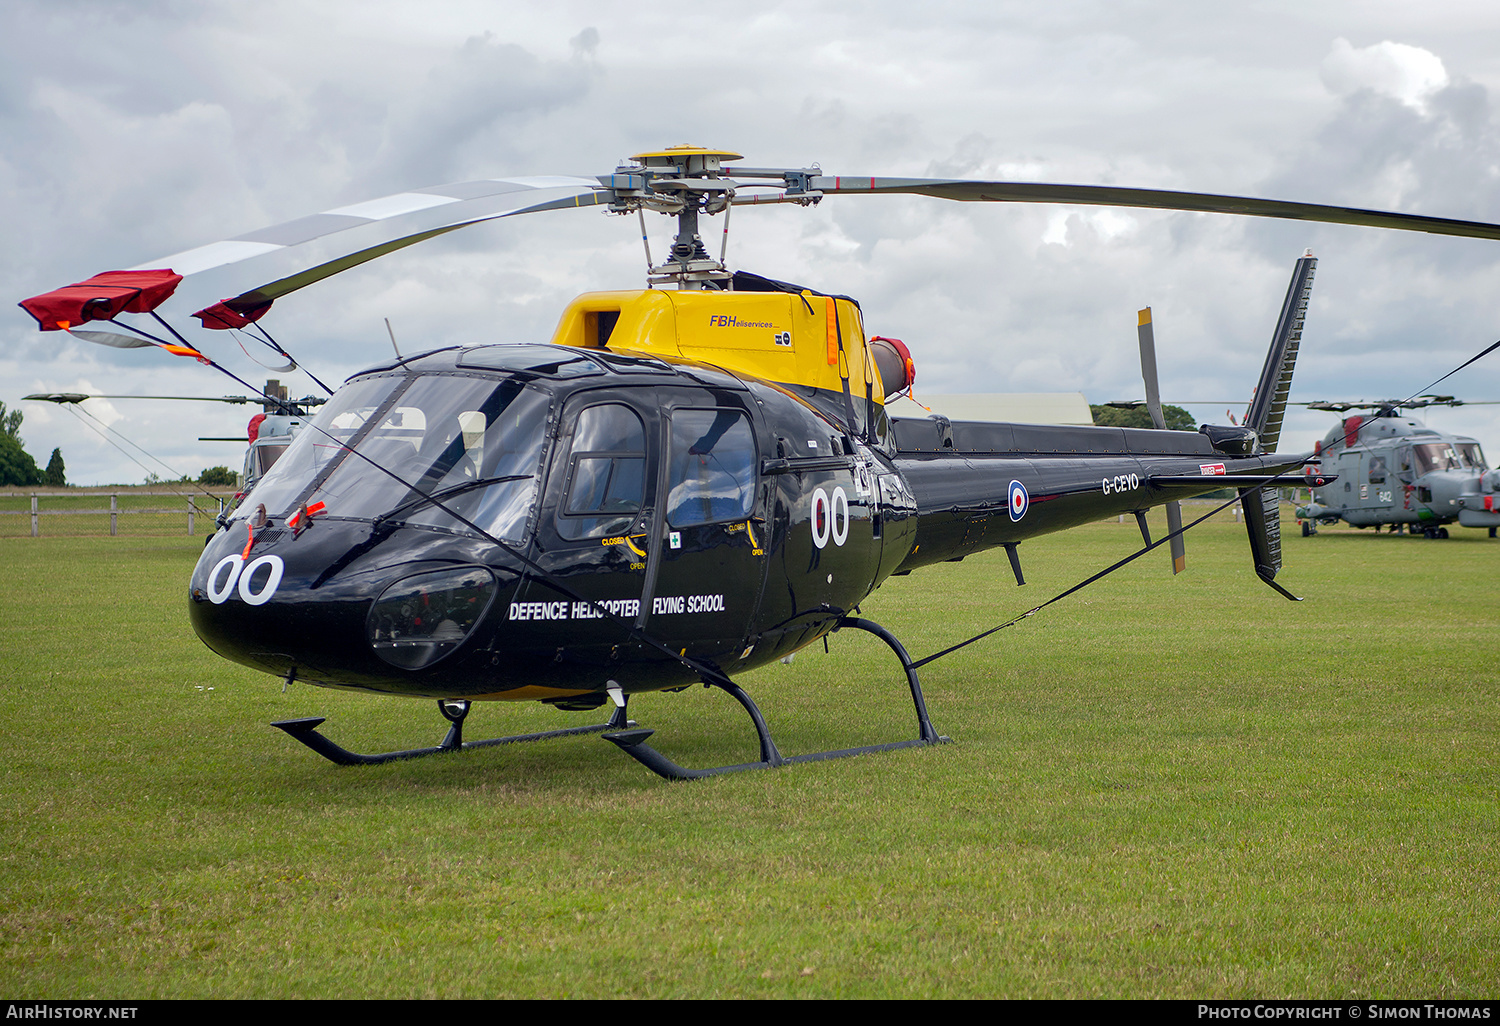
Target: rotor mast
685 181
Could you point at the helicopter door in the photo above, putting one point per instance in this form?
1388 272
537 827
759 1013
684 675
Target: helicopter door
713 537
1377 483
592 531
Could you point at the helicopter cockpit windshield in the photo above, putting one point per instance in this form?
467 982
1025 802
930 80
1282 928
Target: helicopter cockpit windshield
261 458
1436 456
411 448
1473 455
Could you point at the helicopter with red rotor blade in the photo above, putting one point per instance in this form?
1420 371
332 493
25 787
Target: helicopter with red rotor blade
686 481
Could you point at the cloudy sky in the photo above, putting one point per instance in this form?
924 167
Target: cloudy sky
133 130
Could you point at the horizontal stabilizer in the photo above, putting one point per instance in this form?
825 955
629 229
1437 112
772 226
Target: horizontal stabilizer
1230 480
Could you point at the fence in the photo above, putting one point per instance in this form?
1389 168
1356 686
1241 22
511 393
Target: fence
127 512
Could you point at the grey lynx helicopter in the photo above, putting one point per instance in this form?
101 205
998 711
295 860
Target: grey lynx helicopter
687 481
267 434
1395 470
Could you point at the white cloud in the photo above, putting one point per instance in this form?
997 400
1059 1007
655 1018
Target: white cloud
147 131
1406 73
1103 223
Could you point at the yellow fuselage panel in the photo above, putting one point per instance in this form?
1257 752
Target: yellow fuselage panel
777 336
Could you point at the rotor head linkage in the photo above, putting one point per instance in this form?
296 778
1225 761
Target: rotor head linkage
685 181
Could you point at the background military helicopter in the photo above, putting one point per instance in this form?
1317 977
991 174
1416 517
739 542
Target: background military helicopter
1367 460
1395 470
688 481
267 434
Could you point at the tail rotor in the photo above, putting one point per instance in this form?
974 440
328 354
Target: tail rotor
1147 341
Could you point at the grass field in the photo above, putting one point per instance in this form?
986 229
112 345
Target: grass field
1158 788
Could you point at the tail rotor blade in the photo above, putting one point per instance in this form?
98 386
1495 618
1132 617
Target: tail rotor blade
1147 339
1148 367
1174 524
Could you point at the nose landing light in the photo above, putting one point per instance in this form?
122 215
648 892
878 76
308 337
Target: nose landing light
420 619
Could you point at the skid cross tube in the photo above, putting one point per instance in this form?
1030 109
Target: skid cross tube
633 742
455 712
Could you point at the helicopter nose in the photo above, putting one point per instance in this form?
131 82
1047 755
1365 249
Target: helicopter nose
280 607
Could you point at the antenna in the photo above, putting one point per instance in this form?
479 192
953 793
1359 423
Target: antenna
391 333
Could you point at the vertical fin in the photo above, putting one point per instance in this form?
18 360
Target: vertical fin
1262 506
1269 405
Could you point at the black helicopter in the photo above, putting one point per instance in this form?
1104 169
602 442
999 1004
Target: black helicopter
686 482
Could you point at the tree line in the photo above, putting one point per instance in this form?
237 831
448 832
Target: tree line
17 467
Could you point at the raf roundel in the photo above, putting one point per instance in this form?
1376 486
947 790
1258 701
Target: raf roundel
1019 500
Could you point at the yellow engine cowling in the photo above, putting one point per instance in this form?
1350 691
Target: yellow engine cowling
804 339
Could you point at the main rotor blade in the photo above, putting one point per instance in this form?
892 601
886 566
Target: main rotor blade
1403 404
1156 199
264 294
330 222
78 397
113 339
141 289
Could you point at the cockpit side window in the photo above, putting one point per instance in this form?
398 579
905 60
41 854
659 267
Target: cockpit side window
606 473
712 470
1473 455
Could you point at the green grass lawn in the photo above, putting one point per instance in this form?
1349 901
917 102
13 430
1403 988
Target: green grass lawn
1159 787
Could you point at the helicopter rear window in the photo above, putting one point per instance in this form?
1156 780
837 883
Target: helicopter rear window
712 473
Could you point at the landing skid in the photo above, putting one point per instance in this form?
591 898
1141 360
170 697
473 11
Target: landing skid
633 742
306 731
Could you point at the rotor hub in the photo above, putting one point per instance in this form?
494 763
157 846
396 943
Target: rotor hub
684 181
